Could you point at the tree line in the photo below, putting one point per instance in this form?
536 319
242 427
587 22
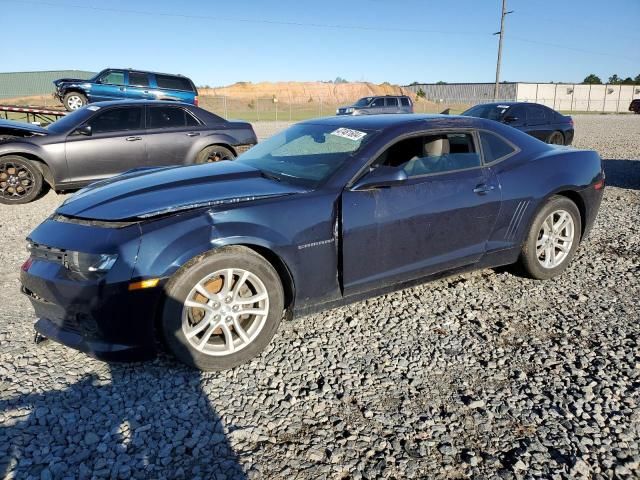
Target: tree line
614 79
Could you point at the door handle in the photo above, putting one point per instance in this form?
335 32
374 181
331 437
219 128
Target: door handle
193 134
133 139
483 189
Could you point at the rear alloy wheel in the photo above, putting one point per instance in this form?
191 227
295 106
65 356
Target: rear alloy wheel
556 138
214 153
20 180
553 239
222 308
74 101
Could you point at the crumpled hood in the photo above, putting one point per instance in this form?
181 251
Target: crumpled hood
149 192
10 126
68 80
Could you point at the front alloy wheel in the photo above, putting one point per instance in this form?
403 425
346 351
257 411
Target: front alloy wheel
222 308
225 311
20 180
74 101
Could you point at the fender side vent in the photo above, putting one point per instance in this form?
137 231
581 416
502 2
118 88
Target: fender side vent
516 219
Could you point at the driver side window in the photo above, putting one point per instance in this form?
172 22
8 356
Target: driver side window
432 154
117 119
113 78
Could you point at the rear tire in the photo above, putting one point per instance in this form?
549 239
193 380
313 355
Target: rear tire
74 101
214 153
218 335
553 239
20 180
556 138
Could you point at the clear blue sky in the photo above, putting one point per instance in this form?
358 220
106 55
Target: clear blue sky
222 42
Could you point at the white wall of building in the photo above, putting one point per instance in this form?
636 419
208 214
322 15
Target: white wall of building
577 97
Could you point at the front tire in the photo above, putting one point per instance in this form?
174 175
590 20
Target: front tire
553 239
20 180
74 101
222 308
214 153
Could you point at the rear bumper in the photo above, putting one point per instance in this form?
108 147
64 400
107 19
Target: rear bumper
592 199
568 136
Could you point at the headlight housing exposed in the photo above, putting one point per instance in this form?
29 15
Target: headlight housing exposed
90 262
79 262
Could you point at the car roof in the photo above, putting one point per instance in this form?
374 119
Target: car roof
144 71
382 122
511 104
111 103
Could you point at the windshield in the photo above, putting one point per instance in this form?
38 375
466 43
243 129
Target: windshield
492 112
363 102
305 154
72 120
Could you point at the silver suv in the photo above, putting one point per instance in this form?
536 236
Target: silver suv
383 104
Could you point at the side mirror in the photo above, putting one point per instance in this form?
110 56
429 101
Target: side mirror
84 130
381 177
510 119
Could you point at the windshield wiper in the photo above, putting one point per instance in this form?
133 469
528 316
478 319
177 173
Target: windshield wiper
270 176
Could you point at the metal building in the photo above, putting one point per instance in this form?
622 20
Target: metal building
25 84
560 96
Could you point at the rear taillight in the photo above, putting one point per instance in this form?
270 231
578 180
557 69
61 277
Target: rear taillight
599 185
195 100
571 121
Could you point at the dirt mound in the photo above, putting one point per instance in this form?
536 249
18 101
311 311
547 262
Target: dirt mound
297 91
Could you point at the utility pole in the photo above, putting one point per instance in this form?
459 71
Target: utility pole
501 33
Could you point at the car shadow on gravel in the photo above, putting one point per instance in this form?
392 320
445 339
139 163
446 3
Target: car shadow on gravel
130 421
622 173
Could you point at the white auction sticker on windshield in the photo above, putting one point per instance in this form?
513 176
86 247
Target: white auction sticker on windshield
354 135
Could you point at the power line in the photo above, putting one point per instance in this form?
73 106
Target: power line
246 20
372 28
501 33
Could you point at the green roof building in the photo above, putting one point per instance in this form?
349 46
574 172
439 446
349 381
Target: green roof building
25 84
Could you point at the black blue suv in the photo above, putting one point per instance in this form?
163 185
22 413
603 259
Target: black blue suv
380 104
125 84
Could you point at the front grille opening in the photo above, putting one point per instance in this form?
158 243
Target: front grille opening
51 254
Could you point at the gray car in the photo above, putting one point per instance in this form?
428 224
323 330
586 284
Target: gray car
108 138
381 104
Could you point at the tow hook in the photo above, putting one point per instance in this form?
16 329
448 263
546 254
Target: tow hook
38 338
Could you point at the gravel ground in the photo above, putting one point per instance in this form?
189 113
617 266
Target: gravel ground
485 375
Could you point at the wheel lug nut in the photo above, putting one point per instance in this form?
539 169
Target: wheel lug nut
229 318
236 308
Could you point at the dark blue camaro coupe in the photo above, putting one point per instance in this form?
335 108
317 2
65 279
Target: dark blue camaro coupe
210 258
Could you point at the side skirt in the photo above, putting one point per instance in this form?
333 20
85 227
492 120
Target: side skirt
491 260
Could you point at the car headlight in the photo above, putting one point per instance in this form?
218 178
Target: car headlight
89 262
349 110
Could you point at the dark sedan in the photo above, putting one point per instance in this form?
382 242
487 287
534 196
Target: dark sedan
210 258
537 120
108 138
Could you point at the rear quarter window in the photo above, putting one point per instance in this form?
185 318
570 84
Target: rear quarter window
494 148
405 102
174 83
